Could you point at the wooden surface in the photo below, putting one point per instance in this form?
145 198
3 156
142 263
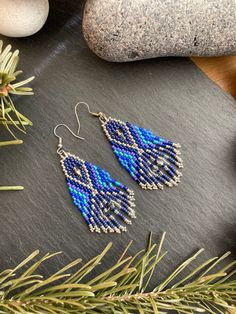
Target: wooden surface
170 96
222 70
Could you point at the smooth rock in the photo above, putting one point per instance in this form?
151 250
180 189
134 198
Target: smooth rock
118 30
20 18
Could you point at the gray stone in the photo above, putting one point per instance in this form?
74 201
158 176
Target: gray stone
127 30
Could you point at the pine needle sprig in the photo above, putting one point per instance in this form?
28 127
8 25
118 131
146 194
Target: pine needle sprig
10 117
122 288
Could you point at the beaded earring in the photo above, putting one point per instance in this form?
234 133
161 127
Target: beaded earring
105 203
150 160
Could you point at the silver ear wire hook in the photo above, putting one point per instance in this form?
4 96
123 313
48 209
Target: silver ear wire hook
96 114
60 138
89 111
100 115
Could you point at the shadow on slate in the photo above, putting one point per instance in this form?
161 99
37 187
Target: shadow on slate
170 96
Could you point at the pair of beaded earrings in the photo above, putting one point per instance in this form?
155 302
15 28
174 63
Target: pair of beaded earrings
105 203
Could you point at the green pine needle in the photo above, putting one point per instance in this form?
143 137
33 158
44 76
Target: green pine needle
122 288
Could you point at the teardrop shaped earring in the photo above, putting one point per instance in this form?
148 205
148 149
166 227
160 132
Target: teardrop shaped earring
150 160
105 203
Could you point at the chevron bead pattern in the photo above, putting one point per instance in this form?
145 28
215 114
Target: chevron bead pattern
105 204
151 160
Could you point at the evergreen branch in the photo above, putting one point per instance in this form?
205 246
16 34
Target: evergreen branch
10 117
122 288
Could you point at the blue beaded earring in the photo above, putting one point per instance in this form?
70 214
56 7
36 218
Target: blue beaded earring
105 203
150 160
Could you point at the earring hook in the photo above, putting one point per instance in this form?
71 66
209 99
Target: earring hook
76 135
102 117
96 114
59 149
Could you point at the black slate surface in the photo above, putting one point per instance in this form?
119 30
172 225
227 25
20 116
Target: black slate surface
170 96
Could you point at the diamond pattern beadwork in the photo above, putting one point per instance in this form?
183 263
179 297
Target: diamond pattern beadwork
151 160
105 204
